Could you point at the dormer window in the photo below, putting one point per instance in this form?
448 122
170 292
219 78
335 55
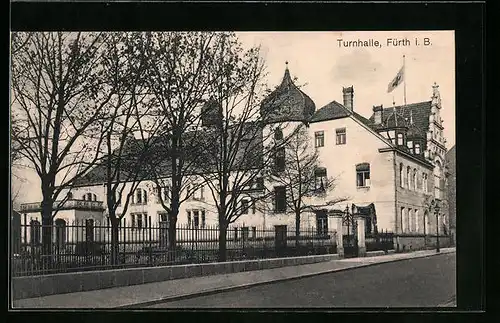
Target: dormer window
409 144
401 140
278 134
417 148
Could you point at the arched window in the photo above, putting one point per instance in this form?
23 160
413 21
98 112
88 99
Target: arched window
414 179
408 177
89 197
401 175
60 233
140 196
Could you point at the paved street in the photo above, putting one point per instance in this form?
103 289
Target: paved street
422 282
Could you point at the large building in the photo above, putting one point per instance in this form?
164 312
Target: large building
392 161
451 189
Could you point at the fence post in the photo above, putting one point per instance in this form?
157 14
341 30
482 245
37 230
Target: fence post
337 219
360 224
150 245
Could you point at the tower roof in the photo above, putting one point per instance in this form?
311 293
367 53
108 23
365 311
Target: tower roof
287 103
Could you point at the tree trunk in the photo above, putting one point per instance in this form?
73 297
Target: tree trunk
115 250
222 241
297 229
47 207
172 239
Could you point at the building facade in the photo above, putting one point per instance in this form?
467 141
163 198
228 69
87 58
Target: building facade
393 160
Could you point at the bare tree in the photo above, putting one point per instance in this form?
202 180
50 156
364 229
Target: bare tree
234 149
297 171
57 96
131 113
178 80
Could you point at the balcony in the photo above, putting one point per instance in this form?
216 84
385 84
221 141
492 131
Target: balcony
71 204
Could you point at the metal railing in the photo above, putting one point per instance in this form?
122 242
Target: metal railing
68 204
87 246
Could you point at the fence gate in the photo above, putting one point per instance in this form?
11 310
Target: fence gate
350 240
280 239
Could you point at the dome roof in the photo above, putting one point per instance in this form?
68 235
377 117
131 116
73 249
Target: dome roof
287 103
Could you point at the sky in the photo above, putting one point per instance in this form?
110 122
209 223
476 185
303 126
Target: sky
318 61
324 67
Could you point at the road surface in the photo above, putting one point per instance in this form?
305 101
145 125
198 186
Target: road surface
421 282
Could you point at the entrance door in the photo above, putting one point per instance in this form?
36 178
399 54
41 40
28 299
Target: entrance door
280 239
321 222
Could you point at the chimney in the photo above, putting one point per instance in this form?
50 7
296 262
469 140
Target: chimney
377 113
348 97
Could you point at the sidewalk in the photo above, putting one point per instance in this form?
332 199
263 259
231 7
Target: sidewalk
147 294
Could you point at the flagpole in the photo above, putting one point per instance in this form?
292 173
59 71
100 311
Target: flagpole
404 80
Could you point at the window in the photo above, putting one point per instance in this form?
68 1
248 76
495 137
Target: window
196 218
278 134
363 175
392 136
417 148
244 233
322 223
403 222
408 177
416 221
189 218
132 218
89 230
409 144
425 183
411 220
158 194
60 233
203 219
244 206
162 217
279 199
401 140
401 175
415 179
202 192
320 178
138 196
279 160
319 138
141 196
35 232
341 136
139 221
89 197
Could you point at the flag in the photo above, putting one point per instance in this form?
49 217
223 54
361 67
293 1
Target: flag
398 79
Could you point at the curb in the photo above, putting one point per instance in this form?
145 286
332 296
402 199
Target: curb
213 291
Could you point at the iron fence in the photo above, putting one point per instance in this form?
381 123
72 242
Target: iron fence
87 245
379 241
